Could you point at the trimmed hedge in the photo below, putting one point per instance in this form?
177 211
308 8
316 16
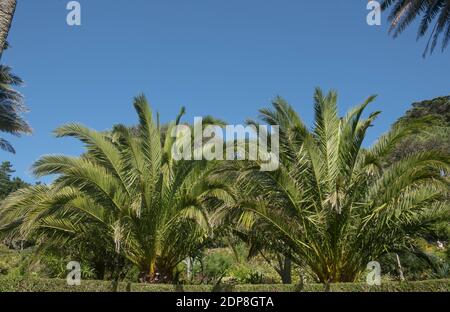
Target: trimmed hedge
60 285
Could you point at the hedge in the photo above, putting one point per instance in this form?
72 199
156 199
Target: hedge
60 285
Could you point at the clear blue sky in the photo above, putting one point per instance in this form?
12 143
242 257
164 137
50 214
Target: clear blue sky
227 58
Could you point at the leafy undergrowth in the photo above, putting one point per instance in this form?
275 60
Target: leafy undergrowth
9 260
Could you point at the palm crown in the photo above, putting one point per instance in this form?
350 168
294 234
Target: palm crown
127 189
332 206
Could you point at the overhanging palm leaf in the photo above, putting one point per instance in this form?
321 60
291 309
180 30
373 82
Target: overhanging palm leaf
11 107
434 13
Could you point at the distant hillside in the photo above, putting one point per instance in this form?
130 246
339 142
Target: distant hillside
437 111
438 108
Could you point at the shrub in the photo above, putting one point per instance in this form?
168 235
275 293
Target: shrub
217 263
9 284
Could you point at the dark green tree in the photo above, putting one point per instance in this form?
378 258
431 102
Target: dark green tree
9 184
436 114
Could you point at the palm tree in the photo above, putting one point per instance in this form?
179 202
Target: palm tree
127 189
11 101
332 206
404 12
7 9
11 107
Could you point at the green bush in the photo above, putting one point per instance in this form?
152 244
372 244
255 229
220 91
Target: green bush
245 274
9 284
233 267
12 262
28 262
7 260
217 263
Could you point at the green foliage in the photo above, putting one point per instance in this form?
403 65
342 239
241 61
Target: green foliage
438 109
8 184
32 263
220 265
55 266
9 260
436 115
55 285
246 274
431 13
127 210
125 195
415 266
11 107
332 207
217 263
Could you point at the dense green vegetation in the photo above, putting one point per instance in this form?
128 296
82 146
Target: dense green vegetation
9 184
332 206
436 136
128 211
139 220
58 285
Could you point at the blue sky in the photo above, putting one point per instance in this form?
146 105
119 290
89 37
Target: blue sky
227 58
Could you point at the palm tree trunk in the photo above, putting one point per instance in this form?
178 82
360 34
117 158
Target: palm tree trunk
286 271
156 272
284 268
400 269
7 9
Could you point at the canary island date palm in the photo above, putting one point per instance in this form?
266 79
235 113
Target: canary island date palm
11 107
433 13
7 9
332 207
127 189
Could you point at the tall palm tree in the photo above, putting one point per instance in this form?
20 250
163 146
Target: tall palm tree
435 13
7 9
333 206
127 188
11 107
11 101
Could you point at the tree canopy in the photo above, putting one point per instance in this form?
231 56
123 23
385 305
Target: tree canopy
9 184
